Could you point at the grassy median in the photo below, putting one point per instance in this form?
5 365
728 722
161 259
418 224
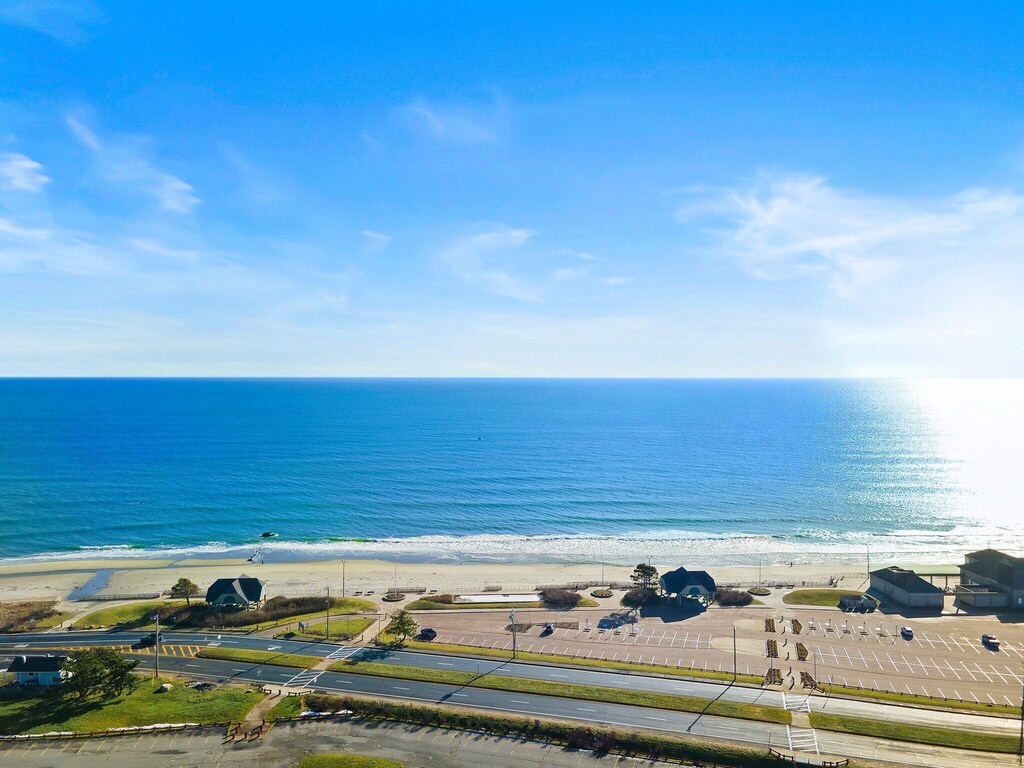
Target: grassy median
919 734
347 761
260 657
568 690
920 701
821 597
571 661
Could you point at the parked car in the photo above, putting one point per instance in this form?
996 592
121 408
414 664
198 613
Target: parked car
428 633
908 633
990 641
548 629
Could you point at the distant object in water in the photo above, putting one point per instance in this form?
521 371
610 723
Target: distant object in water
268 534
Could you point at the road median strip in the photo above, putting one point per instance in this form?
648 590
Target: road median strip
931 702
576 661
918 734
569 690
273 658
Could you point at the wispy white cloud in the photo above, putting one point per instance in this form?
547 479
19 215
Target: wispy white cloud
467 255
458 123
798 225
122 161
376 241
615 280
64 20
22 173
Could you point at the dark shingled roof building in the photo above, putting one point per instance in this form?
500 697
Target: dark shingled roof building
245 591
906 588
992 579
683 584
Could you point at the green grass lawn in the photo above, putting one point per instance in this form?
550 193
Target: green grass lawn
341 628
347 761
823 597
568 661
426 604
288 706
51 712
260 657
920 701
127 614
340 606
568 690
920 734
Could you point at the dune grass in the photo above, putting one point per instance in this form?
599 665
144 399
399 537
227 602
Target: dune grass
919 734
289 706
49 711
568 690
30 615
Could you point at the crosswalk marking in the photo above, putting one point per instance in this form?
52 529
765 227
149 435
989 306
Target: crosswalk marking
303 679
802 739
342 653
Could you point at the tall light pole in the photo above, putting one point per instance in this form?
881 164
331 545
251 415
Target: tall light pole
512 618
157 645
1020 744
328 614
734 654
343 578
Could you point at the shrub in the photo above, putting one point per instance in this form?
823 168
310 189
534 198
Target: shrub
638 596
734 597
443 599
560 598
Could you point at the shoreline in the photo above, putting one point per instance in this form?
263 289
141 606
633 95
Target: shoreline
132 576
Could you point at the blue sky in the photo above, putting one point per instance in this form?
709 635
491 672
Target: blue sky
552 189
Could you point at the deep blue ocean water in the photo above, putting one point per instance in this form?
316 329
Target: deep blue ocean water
506 469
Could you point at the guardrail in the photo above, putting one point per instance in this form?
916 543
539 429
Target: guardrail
134 730
140 596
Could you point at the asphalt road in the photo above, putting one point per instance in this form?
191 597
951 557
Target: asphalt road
677 723
607 678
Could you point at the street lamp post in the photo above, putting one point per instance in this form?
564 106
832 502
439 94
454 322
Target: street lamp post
734 654
343 578
1020 743
512 618
328 614
157 645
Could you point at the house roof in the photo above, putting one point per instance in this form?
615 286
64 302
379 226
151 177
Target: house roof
37 663
681 580
1003 569
908 581
244 587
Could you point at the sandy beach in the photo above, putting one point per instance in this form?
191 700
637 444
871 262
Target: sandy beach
131 576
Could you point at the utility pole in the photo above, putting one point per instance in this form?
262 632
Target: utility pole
1020 744
157 645
512 618
343 578
869 561
734 654
328 614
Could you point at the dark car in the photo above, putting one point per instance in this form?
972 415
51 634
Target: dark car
428 633
548 629
151 639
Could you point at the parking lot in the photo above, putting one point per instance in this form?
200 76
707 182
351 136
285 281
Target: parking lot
945 657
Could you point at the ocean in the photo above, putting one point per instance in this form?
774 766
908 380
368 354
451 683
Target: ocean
701 471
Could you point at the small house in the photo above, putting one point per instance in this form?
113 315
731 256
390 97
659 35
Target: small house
243 592
992 579
906 588
38 670
684 584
